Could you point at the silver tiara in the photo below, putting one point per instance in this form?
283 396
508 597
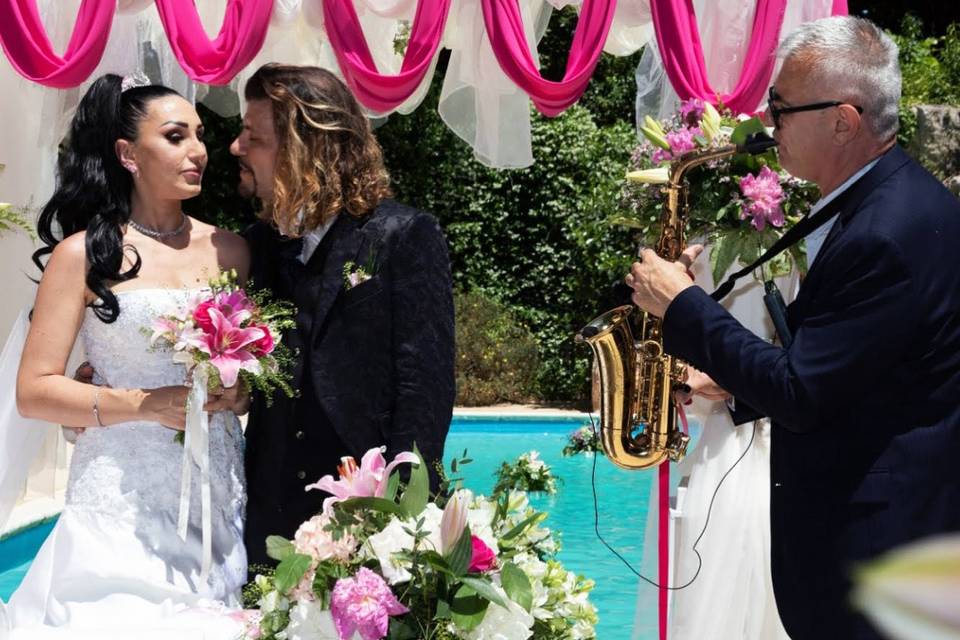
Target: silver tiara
135 79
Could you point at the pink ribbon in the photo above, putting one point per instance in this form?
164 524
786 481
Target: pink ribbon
509 41
663 536
215 62
378 92
29 50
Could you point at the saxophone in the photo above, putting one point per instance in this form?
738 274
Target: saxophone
638 418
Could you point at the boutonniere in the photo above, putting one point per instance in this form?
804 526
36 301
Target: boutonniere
354 274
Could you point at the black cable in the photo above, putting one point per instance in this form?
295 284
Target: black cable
596 515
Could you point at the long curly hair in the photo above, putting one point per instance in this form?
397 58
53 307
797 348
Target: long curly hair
93 189
328 159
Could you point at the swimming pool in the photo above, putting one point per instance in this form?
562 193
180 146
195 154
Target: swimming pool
490 440
623 498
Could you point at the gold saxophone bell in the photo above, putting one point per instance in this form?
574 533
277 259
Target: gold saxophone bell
638 418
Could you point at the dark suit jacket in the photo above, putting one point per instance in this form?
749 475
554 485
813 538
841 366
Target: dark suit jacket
866 402
375 365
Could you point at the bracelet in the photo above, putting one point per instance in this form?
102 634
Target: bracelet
96 407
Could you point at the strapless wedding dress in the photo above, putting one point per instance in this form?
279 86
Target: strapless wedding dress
114 566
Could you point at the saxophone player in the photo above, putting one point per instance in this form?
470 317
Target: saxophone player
865 402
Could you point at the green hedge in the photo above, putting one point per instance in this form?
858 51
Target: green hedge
497 355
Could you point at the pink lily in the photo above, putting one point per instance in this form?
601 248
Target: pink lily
368 480
226 347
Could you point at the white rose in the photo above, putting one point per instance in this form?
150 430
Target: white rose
393 539
513 623
308 621
479 517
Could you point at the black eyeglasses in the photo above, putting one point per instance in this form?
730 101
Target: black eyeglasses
776 112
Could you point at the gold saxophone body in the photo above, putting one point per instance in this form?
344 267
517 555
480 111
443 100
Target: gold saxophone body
638 419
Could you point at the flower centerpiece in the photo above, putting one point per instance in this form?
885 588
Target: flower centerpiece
527 473
739 206
584 440
380 562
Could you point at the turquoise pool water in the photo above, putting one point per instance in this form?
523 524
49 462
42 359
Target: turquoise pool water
16 554
622 495
623 498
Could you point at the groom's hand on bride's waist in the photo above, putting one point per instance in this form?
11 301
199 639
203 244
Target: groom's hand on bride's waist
84 374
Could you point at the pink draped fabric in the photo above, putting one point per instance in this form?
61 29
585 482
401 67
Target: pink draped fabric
29 50
679 41
215 62
378 92
505 30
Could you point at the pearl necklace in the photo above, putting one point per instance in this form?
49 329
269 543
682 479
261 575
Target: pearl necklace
159 235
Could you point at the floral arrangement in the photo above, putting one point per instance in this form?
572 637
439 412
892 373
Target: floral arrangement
11 218
583 440
911 591
740 206
380 562
227 334
528 473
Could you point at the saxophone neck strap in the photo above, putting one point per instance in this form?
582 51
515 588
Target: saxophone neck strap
807 225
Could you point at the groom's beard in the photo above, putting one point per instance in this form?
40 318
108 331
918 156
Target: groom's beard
247 187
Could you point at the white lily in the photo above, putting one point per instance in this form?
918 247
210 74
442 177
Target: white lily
911 592
710 122
660 175
453 522
653 132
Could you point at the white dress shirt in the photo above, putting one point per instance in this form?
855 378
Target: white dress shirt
312 240
816 239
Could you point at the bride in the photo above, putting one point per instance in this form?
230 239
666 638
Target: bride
128 253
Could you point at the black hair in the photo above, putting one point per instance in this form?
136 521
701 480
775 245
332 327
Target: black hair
93 189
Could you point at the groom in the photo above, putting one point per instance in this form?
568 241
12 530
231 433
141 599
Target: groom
371 282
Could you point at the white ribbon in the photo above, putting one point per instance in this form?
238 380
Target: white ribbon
196 450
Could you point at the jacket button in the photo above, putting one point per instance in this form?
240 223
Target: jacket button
299 435
301 475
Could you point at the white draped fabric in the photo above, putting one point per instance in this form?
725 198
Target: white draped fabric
479 103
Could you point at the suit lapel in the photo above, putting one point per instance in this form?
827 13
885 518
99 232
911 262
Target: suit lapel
887 166
345 239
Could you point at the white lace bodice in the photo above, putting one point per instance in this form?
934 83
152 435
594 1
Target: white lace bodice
131 471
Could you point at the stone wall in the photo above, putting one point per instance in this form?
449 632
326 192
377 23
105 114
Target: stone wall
936 142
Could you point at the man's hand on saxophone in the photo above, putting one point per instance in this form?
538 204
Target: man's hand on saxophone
656 282
700 384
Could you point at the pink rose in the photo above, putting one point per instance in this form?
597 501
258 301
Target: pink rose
483 558
201 316
264 345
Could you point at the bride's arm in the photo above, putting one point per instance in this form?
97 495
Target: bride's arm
43 391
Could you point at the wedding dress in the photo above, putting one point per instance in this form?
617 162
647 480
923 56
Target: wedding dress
114 565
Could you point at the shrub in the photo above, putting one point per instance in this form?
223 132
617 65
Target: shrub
496 354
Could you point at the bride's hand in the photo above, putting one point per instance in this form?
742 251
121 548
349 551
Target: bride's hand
167 405
235 399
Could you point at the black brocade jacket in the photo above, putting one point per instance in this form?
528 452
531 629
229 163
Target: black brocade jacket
375 364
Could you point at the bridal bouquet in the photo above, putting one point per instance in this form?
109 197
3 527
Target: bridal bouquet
379 562
226 334
527 473
740 206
